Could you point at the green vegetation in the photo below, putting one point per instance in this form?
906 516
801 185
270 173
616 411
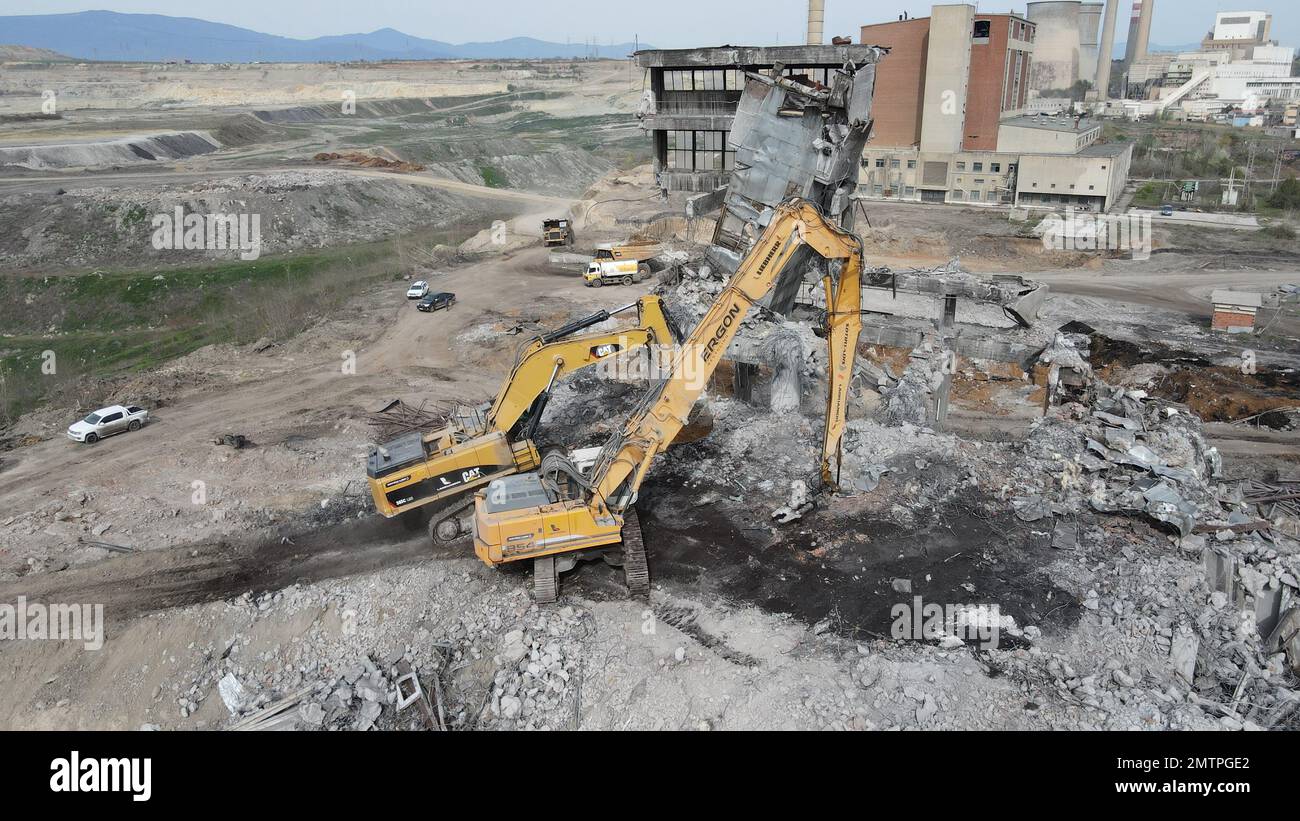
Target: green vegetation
1149 194
1169 152
1287 195
493 177
103 324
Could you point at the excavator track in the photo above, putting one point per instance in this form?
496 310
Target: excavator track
546 586
444 523
635 568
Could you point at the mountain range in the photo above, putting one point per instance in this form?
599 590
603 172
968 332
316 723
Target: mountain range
107 35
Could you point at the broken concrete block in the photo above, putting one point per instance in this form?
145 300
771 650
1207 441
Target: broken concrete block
1182 653
312 714
1065 536
233 694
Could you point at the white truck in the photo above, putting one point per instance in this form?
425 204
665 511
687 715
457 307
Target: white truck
615 272
619 264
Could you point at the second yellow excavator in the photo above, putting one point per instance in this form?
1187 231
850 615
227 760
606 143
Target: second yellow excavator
561 512
418 469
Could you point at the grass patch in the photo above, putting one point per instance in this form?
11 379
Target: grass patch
493 177
105 324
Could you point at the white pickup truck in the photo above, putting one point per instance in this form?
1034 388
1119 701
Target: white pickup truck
108 421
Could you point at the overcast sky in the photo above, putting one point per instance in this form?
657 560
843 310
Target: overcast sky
664 23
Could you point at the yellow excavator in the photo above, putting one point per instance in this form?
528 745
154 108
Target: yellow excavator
562 513
418 469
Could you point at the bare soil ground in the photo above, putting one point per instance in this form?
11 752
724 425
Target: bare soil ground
267 564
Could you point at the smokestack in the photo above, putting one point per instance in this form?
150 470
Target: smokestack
1106 49
816 20
1131 41
1144 29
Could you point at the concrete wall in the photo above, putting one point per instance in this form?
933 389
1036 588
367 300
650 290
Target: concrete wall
947 73
1242 25
900 80
899 174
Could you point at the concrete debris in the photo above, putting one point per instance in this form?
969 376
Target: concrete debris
1069 374
798 505
232 693
920 397
1093 450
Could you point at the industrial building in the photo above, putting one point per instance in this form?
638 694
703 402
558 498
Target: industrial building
1238 32
692 96
952 122
1237 67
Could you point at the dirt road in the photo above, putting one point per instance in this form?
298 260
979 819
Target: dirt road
413 356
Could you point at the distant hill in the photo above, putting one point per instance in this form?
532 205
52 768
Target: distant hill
1154 48
27 54
107 35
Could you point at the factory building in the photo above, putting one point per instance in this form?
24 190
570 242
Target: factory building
1236 67
952 123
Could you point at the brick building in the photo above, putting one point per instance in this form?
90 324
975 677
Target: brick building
952 122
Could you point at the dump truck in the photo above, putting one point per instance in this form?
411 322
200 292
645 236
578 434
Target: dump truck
580 507
638 251
557 232
417 469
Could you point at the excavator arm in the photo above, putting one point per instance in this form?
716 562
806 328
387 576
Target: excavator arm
626 458
556 354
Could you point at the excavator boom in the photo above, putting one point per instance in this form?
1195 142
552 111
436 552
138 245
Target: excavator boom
556 354
795 223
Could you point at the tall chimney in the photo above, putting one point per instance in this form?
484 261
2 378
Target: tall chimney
1131 41
1144 29
1105 50
816 20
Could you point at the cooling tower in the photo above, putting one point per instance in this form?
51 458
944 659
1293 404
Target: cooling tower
1055 63
1089 21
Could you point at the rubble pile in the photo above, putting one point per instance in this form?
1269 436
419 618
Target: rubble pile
912 399
1127 453
498 661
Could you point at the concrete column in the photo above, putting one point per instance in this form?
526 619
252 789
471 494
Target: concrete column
1105 50
1144 29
